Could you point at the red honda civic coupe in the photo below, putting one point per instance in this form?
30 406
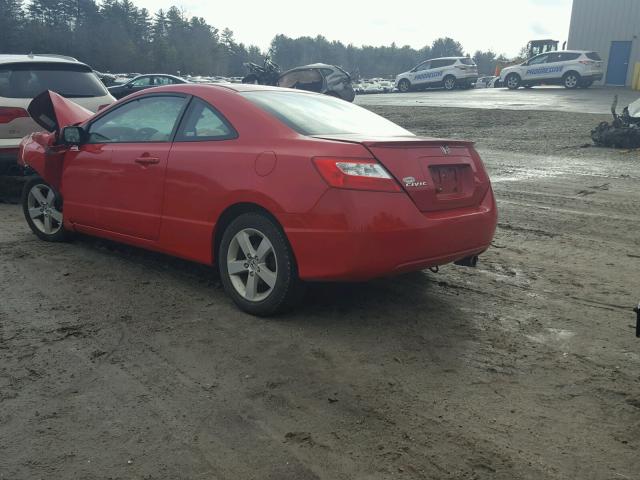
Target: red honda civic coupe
276 186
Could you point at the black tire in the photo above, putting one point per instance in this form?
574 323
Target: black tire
449 82
404 85
586 83
513 81
571 80
37 225
528 87
251 78
286 290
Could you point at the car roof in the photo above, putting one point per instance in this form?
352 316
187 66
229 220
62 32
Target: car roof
195 88
445 58
566 51
37 57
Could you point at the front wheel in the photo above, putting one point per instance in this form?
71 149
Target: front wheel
42 208
257 266
449 82
404 86
571 80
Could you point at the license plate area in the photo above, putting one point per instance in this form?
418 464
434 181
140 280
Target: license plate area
448 179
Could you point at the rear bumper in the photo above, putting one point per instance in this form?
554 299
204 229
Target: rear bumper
596 77
355 236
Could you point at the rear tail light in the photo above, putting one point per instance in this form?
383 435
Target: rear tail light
587 62
8 114
355 174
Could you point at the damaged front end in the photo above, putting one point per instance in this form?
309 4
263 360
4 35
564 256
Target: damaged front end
623 131
40 151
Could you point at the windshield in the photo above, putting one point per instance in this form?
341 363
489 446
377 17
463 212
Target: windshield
310 114
27 80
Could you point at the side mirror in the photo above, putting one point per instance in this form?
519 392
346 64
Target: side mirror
73 135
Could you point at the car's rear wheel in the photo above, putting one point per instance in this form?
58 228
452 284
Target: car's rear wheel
404 86
257 266
571 80
513 81
449 82
42 208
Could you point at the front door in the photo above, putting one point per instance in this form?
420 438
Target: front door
618 63
115 181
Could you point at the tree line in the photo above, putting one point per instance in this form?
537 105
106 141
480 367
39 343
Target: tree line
117 36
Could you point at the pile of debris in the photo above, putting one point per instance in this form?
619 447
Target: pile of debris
623 132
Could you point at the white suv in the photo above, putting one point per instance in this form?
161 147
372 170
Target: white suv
23 77
571 68
449 72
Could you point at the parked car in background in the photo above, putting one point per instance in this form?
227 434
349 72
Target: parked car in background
22 77
570 68
485 82
320 78
274 186
447 73
142 82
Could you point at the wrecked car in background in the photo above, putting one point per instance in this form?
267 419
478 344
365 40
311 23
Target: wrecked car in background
319 78
623 131
22 77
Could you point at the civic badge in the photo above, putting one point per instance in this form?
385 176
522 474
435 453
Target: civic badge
445 149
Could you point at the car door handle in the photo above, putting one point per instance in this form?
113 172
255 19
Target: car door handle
147 160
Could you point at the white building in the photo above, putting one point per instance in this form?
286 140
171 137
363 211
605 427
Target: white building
611 28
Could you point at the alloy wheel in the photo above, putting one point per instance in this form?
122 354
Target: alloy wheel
571 81
41 204
252 265
450 83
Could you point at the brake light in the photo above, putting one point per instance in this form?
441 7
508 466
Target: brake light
587 62
8 114
356 174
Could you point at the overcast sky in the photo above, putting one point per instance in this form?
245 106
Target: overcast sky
503 26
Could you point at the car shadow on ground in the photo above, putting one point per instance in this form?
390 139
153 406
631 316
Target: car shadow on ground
400 299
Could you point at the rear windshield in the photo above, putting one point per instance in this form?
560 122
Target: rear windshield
27 80
594 56
311 114
467 61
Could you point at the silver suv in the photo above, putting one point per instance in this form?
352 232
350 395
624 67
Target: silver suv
448 73
22 77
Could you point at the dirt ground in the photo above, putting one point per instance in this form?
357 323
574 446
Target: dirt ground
117 363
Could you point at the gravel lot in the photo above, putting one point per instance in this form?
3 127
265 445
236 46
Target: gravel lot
117 363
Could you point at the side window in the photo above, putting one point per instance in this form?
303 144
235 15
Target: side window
442 63
202 123
142 82
148 119
423 66
302 79
539 59
162 81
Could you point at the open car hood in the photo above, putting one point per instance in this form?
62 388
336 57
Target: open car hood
53 112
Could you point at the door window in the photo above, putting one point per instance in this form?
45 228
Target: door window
148 119
163 81
142 82
442 63
562 57
539 59
202 123
423 66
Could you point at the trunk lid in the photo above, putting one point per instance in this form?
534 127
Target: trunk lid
437 174
53 112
